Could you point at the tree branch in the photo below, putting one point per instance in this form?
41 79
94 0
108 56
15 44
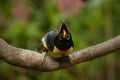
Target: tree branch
31 59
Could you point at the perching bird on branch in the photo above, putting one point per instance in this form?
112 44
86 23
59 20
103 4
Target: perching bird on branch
59 42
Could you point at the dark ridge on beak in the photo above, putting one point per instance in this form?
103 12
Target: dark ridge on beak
63 22
64 27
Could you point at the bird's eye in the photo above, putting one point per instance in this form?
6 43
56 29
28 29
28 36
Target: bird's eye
68 37
60 37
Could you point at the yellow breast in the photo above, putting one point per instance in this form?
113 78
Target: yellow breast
61 52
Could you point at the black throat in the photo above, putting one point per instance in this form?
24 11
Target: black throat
63 44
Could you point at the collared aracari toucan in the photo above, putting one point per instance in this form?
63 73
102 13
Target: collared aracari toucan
59 42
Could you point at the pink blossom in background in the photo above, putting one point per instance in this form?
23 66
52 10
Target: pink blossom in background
21 12
70 6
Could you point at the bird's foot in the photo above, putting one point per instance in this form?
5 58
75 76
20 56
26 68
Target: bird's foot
43 57
70 60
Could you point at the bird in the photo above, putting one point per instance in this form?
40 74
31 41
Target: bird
57 41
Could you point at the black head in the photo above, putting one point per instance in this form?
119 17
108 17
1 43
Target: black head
63 40
64 32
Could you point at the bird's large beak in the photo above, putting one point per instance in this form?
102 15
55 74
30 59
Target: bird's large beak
64 29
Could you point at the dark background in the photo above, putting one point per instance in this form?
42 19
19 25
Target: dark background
24 22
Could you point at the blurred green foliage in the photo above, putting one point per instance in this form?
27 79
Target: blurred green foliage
23 23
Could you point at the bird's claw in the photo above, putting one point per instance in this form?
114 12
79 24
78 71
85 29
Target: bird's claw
43 57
